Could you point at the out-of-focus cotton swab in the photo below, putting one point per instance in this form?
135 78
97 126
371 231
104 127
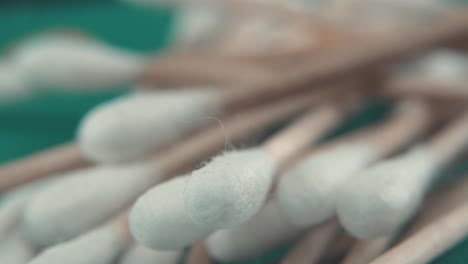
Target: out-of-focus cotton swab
307 193
55 60
132 127
380 199
12 83
100 246
16 249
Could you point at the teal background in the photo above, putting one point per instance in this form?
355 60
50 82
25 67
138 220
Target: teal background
50 118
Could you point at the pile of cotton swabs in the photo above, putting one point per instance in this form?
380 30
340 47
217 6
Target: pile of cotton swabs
179 164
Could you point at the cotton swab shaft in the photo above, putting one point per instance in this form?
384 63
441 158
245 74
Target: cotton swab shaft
309 250
308 129
36 166
455 92
451 141
233 130
198 254
409 121
365 251
199 70
430 241
342 63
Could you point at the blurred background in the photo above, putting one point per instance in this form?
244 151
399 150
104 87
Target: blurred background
50 116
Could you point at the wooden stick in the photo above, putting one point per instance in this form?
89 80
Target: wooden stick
430 241
197 69
310 248
39 165
199 254
452 140
454 92
308 129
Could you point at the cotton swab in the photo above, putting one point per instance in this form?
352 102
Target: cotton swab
139 254
231 189
439 203
133 126
87 198
16 249
12 84
99 246
429 242
307 193
54 60
263 232
96 194
383 197
53 161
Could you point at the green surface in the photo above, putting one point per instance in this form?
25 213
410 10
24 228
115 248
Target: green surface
51 118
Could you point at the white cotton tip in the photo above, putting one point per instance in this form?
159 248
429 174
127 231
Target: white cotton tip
307 194
267 230
446 65
231 188
380 199
442 66
159 220
69 62
12 83
132 127
83 199
139 254
16 250
12 207
197 24
100 246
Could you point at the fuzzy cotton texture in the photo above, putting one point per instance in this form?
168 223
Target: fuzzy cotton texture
133 126
12 83
16 249
83 199
231 188
100 246
306 195
139 254
159 219
380 199
66 62
267 230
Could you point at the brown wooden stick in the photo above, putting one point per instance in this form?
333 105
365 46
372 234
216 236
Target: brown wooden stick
453 92
192 70
452 140
430 241
310 248
199 254
39 165
233 130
